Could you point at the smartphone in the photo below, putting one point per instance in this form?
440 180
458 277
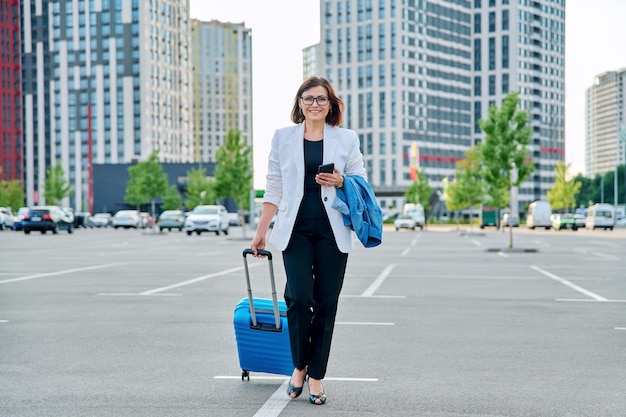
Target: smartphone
328 168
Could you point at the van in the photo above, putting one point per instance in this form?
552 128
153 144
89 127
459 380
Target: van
539 215
415 211
489 216
600 216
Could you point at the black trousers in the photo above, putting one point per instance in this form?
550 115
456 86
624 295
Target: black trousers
315 270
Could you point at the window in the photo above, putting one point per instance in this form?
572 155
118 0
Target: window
477 54
492 53
505 51
505 20
505 83
477 23
492 85
477 86
492 21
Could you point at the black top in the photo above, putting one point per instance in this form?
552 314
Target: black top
311 206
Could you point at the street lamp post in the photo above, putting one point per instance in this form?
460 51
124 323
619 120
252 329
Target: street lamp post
622 138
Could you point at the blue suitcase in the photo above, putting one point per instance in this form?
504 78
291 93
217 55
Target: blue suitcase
261 330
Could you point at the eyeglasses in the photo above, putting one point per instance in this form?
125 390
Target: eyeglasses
321 100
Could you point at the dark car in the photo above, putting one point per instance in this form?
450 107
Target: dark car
44 218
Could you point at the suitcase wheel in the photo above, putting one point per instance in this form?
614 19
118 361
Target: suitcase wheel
245 375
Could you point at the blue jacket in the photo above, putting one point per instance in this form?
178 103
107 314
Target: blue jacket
359 207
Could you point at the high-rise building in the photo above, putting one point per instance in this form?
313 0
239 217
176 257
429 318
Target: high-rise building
417 75
605 119
222 85
105 81
10 92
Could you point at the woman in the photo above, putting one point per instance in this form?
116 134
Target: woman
308 230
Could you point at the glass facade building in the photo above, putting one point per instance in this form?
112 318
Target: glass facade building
417 75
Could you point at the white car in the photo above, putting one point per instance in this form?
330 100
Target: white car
102 220
404 221
6 219
204 218
127 219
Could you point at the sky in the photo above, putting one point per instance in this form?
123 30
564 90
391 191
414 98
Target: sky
595 43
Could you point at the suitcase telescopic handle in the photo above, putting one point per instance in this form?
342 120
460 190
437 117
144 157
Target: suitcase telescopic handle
267 254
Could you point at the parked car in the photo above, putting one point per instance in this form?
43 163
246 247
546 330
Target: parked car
6 218
207 218
620 221
171 219
539 213
101 220
580 220
19 218
44 218
600 216
404 221
81 218
126 219
564 221
234 219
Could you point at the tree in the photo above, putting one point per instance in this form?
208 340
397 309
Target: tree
11 193
585 194
503 152
147 181
233 172
200 188
135 195
468 187
56 187
419 191
171 199
562 196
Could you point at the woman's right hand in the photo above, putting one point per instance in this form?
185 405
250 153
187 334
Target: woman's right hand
258 242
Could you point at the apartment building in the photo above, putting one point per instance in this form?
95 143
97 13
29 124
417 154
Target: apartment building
605 123
222 85
104 81
417 75
10 92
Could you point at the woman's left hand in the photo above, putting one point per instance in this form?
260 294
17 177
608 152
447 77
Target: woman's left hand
329 180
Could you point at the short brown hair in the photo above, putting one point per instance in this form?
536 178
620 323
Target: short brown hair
334 116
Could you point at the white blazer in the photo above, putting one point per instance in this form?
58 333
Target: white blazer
285 179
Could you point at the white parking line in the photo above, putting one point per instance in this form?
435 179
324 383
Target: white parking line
275 404
604 255
360 323
477 243
279 399
405 252
569 284
619 328
51 274
378 282
504 255
4 321
194 280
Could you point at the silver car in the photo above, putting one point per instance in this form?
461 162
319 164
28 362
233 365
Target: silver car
127 219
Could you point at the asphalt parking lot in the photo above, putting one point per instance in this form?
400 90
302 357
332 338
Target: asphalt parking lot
110 322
